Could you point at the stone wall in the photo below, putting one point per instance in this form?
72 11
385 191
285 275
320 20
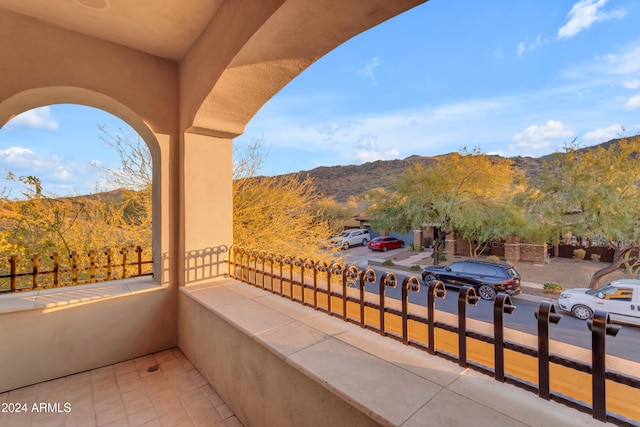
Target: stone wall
516 252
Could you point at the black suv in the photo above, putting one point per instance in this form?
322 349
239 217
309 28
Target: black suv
488 278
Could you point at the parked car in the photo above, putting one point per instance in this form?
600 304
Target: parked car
487 277
348 238
619 298
385 243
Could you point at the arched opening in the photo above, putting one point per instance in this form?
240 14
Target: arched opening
73 149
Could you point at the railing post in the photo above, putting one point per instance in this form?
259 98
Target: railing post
92 266
13 260
35 259
366 276
109 254
501 306
300 264
436 289
311 264
387 279
74 267
546 314
466 296
410 283
123 251
56 267
600 327
139 251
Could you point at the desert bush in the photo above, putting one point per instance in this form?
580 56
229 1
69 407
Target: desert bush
579 254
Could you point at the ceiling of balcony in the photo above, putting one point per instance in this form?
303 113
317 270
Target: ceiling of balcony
164 28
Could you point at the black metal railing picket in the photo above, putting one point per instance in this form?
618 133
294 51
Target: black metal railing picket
294 278
92 267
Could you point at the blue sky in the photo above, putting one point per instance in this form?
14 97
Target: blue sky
513 78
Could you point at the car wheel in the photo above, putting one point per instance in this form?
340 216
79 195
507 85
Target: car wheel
582 312
487 292
345 245
364 242
429 278
384 249
401 245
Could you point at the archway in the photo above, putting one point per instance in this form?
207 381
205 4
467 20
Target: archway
28 100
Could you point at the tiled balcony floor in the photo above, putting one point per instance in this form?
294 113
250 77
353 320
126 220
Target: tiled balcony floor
162 389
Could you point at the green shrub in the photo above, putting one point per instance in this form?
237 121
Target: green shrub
441 256
579 254
493 258
387 262
552 287
415 267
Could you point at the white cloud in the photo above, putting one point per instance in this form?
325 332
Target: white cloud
541 137
528 45
369 68
38 118
499 53
631 84
633 103
15 155
59 175
369 151
604 134
585 13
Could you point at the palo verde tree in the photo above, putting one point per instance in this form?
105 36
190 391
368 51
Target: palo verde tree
467 192
595 193
280 214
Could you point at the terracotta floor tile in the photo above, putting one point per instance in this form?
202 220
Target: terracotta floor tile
84 421
233 422
131 407
111 404
224 411
126 394
124 367
142 417
173 406
207 419
111 416
197 406
173 417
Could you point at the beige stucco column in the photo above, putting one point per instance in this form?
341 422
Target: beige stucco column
206 210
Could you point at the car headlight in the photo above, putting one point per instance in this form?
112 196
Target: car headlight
565 296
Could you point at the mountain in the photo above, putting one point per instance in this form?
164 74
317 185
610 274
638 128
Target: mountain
355 180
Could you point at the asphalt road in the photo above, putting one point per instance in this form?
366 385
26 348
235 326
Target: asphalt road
569 330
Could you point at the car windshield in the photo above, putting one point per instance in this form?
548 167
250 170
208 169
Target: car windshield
512 273
596 291
344 234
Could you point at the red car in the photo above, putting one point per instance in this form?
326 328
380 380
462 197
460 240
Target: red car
385 243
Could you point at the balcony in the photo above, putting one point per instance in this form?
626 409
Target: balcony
277 355
158 389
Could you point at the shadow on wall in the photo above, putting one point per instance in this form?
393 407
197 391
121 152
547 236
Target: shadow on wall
207 263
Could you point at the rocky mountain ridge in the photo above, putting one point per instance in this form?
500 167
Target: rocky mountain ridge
341 182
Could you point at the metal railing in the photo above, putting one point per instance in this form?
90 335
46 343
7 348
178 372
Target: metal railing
357 296
95 266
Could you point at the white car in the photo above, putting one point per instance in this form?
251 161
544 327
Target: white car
348 238
620 298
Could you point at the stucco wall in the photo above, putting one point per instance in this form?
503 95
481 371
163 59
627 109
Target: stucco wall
45 343
261 388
